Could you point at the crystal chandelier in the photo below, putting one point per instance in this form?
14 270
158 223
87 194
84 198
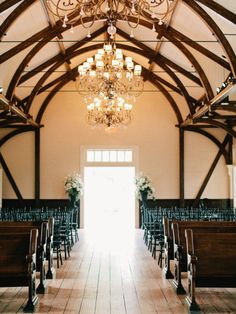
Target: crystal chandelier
109 83
70 12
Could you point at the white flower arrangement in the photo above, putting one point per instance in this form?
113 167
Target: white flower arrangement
144 185
74 186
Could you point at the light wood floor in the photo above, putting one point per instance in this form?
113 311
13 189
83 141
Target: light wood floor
116 276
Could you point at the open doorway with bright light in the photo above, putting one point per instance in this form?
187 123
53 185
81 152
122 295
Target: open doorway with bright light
109 199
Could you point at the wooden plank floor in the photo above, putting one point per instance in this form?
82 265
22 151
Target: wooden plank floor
114 276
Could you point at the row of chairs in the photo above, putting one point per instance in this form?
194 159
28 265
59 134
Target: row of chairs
65 225
152 223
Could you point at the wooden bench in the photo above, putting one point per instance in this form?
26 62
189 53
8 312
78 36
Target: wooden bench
179 243
211 261
49 249
26 226
49 245
18 263
168 248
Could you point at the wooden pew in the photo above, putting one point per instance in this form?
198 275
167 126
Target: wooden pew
211 261
26 226
18 263
179 241
168 248
49 249
49 245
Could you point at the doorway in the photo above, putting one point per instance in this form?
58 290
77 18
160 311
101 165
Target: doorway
109 199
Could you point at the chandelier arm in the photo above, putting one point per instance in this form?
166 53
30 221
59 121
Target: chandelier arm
67 10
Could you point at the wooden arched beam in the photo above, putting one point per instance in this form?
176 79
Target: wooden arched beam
188 41
9 121
5 5
59 56
50 96
170 99
197 66
149 75
224 108
46 30
51 34
20 69
148 51
14 15
163 65
181 86
14 133
211 138
217 31
16 77
221 125
219 9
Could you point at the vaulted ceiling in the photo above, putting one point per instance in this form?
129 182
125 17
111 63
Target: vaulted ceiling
190 55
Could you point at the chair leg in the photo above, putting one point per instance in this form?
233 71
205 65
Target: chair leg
65 249
160 257
58 258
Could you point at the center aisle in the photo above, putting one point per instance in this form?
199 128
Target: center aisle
113 275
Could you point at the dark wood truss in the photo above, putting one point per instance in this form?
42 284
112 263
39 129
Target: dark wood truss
209 111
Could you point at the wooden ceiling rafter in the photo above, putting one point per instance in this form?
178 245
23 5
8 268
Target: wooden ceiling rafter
14 15
163 65
59 57
5 5
52 24
225 108
58 29
206 52
169 33
16 77
58 80
9 121
209 105
146 73
153 56
151 77
179 45
49 97
217 32
221 125
219 9
198 67
31 54
160 59
187 54
55 90
212 138
13 133
9 107
160 35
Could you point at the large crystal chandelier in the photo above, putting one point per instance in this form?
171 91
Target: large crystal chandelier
86 12
109 83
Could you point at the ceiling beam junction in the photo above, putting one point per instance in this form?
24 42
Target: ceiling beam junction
206 108
7 106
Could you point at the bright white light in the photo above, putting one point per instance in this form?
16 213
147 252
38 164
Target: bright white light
109 204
